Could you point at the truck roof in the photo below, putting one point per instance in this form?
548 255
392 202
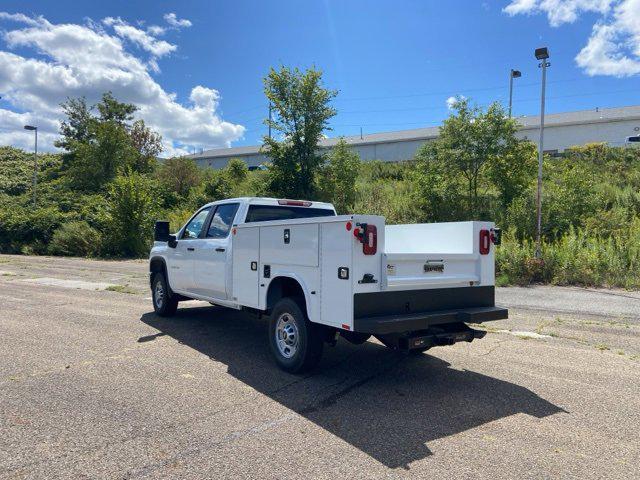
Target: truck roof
272 201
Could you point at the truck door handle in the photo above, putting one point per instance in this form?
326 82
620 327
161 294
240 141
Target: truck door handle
191 249
220 249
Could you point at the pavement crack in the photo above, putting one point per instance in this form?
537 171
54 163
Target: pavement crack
493 348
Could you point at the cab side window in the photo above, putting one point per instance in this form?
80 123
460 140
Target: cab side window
222 220
194 227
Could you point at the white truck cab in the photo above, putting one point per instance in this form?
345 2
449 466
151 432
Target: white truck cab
318 275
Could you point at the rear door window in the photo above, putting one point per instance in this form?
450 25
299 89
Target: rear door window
263 213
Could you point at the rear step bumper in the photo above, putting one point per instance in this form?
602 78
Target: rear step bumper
438 335
411 322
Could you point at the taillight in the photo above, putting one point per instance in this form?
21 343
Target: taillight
368 236
370 246
485 242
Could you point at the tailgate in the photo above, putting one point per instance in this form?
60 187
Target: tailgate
436 255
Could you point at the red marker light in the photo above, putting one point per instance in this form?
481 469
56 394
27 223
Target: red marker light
485 242
296 203
346 327
348 226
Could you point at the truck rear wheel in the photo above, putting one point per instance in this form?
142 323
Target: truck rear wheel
165 303
295 342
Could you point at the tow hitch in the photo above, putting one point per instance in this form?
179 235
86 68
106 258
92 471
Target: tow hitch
434 336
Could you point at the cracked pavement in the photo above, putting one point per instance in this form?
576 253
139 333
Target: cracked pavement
94 385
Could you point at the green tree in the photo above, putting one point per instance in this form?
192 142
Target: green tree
513 171
111 110
237 171
339 178
216 186
179 174
133 209
471 155
75 128
103 145
301 114
148 144
97 161
438 191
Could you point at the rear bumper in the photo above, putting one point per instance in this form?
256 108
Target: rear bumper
411 322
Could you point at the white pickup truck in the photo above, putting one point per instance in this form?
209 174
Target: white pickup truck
318 275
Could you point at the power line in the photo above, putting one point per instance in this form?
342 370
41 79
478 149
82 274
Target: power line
439 107
413 95
450 91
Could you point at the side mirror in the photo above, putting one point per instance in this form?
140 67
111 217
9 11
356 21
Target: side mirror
172 241
161 231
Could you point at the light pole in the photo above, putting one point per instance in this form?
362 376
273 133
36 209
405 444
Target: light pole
35 160
513 74
541 54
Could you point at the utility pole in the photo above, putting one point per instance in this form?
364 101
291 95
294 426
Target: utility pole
541 54
360 133
270 109
35 161
512 74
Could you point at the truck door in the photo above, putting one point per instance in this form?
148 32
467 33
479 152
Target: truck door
212 268
180 260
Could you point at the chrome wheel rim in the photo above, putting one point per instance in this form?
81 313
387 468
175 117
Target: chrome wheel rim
287 335
158 295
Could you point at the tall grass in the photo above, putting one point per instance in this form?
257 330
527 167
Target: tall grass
579 257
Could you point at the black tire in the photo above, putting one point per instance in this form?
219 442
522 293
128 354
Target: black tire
165 302
304 338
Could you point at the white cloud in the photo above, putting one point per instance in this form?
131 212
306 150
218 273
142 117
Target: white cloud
451 101
521 6
157 48
85 60
176 22
156 30
614 45
558 11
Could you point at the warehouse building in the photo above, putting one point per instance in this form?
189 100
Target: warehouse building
614 126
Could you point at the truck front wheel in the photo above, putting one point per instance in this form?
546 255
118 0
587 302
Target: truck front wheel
164 303
296 343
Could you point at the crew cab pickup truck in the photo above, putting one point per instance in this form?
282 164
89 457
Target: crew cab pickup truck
318 275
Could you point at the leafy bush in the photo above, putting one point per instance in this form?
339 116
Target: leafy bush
76 239
392 199
16 169
338 177
24 229
133 210
179 175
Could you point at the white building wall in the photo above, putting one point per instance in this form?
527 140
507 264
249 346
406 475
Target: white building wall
561 137
556 138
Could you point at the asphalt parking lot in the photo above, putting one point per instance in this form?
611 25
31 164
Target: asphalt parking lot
94 385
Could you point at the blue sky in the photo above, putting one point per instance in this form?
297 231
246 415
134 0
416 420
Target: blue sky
197 66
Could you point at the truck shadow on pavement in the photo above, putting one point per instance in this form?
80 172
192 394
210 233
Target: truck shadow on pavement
386 404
